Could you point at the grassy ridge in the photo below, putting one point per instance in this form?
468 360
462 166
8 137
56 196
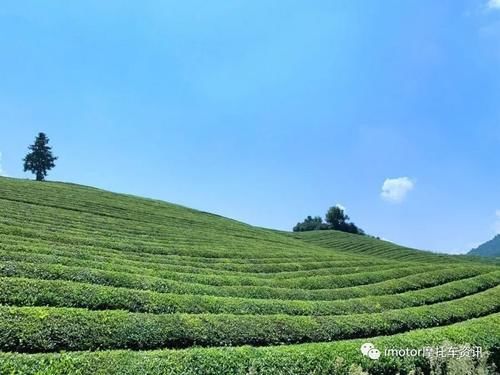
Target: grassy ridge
85 269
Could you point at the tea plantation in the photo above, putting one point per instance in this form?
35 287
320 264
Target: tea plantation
93 282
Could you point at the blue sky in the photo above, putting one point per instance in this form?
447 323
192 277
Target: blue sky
268 111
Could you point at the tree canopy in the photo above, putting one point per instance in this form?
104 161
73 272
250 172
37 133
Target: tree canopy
310 223
335 219
40 158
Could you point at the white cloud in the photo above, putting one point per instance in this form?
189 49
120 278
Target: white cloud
395 189
2 172
494 4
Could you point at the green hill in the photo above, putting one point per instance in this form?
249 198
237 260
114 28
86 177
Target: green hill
490 248
95 282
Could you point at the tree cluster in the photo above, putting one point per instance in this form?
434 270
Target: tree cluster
335 219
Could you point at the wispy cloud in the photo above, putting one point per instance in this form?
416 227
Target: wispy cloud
497 222
494 4
395 189
2 172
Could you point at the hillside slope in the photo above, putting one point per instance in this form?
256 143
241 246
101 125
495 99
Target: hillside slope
490 248
378 249
94 274
369 246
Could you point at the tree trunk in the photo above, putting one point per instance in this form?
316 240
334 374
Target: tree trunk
39 176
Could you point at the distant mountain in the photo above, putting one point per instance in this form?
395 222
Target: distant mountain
488 249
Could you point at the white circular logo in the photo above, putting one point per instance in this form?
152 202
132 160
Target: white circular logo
365 348
369 350
374 353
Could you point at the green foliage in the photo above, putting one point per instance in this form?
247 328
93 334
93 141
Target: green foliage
35 329
390 281
40 159
34 292
318 358
311 223
335 219
466 365
338 220
336 216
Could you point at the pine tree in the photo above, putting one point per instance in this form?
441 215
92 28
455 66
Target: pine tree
40 159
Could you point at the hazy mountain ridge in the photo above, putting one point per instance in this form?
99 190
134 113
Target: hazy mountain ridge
490 248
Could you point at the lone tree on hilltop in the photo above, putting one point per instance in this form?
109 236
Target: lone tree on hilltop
40 159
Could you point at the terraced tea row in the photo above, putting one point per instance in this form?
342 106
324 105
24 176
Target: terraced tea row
320 359
368 246
57 293
395 281
257 270
81 255
33 329
346 276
